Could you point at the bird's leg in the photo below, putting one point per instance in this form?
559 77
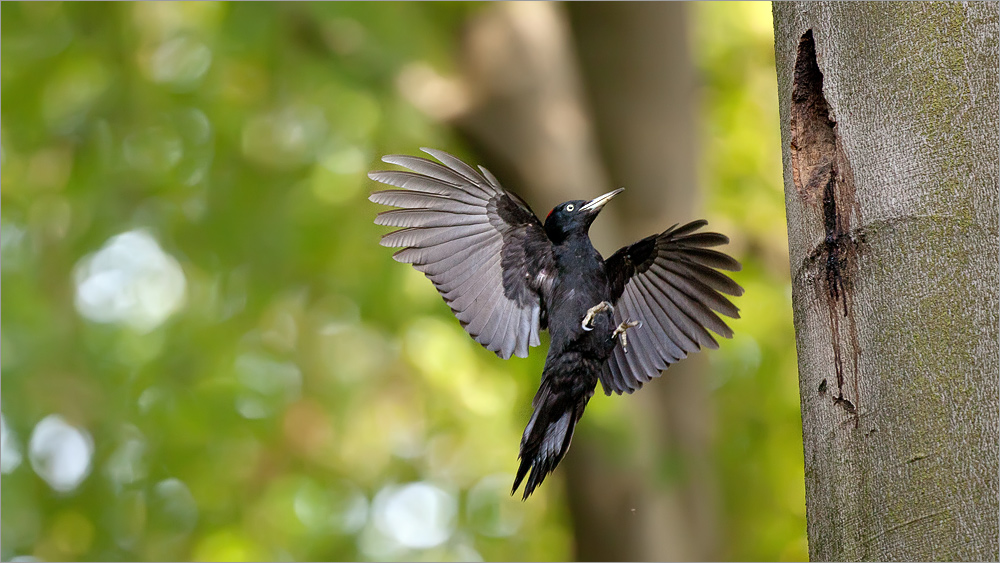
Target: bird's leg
620 332
588 320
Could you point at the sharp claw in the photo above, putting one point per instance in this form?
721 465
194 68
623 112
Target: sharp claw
588 320
620 332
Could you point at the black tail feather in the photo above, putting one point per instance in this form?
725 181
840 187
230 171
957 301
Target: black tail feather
549 433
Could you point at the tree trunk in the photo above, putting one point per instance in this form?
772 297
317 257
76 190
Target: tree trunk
889 116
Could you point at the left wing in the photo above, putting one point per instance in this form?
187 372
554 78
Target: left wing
671 283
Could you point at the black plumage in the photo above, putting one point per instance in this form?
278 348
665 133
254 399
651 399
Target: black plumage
507 276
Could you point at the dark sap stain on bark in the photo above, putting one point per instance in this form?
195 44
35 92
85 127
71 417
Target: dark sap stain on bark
823 178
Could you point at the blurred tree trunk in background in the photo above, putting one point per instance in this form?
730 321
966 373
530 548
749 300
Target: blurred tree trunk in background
527 109
642 88
889 131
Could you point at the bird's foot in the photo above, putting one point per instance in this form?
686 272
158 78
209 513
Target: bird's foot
588 320
620 332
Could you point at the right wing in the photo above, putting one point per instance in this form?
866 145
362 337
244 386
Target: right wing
481 246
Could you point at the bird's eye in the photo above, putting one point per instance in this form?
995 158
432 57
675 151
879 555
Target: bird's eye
570 207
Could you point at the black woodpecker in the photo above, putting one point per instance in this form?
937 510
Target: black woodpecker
507 276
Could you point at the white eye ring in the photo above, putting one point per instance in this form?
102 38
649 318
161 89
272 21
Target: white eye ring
570 207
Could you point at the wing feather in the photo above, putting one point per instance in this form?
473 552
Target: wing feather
434 170
529 337
498 335
672 283
710 258
422 184
453 268
486 314
424 255
467 273
712 278
433 236
423 200
422 218
483 249
469 173
640 358
660 324
692 285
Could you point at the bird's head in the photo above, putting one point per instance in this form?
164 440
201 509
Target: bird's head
575 217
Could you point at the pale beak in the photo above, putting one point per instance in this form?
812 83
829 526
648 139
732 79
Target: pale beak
598 202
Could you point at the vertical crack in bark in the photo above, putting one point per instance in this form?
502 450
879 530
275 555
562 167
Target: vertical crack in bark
823 178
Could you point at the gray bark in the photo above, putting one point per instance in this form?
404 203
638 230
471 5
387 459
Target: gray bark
889 117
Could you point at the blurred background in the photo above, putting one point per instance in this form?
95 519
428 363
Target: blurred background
206 355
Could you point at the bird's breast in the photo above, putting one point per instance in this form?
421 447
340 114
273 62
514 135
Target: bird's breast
572 299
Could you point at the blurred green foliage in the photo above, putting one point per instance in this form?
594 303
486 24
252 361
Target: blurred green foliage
206 355
755 376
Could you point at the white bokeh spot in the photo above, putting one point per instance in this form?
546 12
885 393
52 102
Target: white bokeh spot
417 515
60 453
10 451
131 281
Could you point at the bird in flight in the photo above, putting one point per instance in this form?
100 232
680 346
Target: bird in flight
507 276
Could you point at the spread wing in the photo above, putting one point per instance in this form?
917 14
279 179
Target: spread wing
671 283
481 246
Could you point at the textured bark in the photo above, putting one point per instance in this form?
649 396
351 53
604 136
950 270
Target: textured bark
889 117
